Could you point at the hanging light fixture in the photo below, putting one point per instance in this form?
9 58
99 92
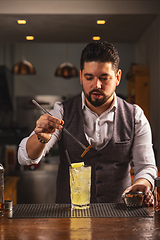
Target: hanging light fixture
24 66
66 70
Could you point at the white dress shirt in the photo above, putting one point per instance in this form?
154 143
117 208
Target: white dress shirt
95 128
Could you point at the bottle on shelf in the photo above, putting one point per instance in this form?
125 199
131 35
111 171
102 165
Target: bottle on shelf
1 190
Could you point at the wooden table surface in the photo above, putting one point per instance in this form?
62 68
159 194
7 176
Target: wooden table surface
80 228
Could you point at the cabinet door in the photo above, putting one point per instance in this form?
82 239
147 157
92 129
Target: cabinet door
142 93
131 90
11 195
10 189
138 92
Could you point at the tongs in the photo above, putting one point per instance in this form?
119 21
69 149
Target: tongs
86 149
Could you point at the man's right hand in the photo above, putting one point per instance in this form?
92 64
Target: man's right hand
46 125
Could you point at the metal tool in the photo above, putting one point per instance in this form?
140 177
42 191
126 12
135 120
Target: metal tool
69 161
81 144
133 199
68 158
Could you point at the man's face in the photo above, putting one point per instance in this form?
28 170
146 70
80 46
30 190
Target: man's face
99 82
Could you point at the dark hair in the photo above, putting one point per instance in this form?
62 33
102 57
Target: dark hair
100 52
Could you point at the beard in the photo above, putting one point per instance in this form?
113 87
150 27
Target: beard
96 102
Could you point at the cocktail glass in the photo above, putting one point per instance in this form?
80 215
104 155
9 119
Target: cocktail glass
80 185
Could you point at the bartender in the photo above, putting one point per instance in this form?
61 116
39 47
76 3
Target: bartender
117 131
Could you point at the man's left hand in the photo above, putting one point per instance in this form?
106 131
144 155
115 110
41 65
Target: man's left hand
149 198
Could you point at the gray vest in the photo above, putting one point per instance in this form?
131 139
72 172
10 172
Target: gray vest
110 166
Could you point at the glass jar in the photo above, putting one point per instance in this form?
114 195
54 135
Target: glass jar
157 195
1 190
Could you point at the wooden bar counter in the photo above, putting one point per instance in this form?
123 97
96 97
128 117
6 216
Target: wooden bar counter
80 228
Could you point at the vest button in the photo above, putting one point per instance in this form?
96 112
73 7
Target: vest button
98 154
98 182
98 168
98 196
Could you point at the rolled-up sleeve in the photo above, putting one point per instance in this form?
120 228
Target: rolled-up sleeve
142 151
23 157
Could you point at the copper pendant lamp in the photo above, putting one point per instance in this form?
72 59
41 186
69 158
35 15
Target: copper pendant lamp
66 70
23 67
